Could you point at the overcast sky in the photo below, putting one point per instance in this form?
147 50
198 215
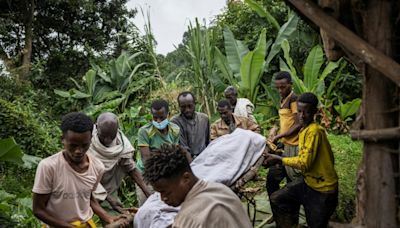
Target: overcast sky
170 18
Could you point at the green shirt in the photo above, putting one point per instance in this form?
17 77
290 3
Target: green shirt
151 137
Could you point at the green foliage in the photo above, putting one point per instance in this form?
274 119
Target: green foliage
348 155
201 48
66 36
252 68
348 109
10 151
111 87
33 135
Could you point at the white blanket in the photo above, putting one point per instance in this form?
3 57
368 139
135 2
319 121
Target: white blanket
224 161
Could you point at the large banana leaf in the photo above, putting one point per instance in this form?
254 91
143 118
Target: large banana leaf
284 33
299 87
10 151
235 50
263 13
348 109
252 67
312 67
223 66
90 79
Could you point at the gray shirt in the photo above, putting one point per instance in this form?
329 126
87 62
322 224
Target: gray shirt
195 133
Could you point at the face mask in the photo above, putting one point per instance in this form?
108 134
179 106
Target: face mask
161 125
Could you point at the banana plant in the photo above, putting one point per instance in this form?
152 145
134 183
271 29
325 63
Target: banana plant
110 88
313 77
252 68
348 109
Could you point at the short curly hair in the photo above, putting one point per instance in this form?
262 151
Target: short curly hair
309 98
159 104
76 122
167 162
284 75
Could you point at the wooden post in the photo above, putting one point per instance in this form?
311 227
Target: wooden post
380 207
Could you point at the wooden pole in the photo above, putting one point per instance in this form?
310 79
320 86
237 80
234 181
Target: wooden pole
377 134
370 55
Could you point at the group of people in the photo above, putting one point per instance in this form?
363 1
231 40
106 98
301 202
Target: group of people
82 179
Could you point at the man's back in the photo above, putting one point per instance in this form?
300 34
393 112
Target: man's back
211 205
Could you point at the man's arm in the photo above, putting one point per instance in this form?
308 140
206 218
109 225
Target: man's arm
253 126
40 211
182 139
137 177
145 153
307 153
103 215
213 132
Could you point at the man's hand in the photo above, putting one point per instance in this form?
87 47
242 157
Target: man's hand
122 219
271 159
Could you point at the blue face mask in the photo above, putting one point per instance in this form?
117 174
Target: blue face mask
161 125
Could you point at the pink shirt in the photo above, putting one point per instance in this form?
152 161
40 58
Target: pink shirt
69 190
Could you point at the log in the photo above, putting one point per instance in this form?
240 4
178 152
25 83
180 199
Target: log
377 134
249 175
367 53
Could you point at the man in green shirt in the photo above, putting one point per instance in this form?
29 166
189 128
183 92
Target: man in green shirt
152 135
318 191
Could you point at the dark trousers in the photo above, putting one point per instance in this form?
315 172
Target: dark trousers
318 206
275 176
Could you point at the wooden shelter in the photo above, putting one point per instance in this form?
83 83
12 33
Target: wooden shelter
367 32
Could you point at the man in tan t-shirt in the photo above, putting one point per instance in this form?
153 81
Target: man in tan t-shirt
64 182
203 204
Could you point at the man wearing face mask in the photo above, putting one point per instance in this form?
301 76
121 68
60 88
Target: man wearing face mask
115 151
152 135
194 126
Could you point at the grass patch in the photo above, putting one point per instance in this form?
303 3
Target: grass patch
348 154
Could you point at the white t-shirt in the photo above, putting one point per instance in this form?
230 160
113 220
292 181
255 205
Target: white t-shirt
70 191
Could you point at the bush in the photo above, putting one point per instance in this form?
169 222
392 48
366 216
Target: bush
33 132
348 155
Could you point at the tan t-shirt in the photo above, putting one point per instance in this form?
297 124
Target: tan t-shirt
70 191
211 205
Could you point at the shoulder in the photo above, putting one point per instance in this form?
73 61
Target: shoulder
314 129
174 128
216 122
97 164
244 101
202 116
176 119
146 128
293 98
51 161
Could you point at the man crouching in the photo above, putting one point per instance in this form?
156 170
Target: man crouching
203 204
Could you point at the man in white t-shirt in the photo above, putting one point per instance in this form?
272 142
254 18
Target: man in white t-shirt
64 182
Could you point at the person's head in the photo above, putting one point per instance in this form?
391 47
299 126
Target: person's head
230 94
76 130
107 128
169 172
307 106
187 104
283 83
159 111
225 111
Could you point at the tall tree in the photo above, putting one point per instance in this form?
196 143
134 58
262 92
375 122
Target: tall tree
63 35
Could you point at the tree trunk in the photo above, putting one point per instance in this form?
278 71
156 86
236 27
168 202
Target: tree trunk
27 50
379 99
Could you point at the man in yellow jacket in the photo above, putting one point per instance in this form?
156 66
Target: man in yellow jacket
317 191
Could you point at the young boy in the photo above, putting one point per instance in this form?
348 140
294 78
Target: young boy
318 191
64 182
